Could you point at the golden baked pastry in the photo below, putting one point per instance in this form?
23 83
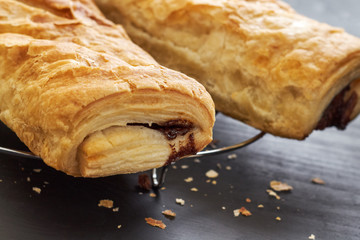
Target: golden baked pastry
87 100
263 63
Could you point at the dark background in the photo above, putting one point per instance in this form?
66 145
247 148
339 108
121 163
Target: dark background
67 207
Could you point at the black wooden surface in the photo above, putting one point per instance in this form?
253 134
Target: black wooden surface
67 207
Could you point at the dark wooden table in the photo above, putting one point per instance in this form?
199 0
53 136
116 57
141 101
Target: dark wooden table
67 207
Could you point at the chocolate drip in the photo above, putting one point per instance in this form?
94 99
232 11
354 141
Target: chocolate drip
170 129
188 149
339 111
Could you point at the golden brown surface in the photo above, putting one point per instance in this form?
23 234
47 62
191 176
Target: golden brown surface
262 62
68 74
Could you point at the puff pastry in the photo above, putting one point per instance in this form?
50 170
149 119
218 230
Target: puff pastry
86 99
262 62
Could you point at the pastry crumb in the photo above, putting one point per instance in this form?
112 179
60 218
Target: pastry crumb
212 174
312 237
184 166
163 188
273 194
189 179
1 180
280 186
228 168
248 200
144 182
153 195
115 209
37 190
106 203
169 213
260 206
196 160
232 156
155 223
218 165
194 189
119 226
180 201
223 208
318 181
243 211
278 219
174 166
278 208
214 182
37 170
28 179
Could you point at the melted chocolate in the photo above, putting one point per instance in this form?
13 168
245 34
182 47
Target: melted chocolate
188 149
339 111
170 129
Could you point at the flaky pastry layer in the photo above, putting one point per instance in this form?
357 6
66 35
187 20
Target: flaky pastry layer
83 97
261 61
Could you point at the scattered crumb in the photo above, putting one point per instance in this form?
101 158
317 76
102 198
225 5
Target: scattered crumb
180 201
280 186
152 195
163 188
194 189
37 170
196 160
232 156
155 223
213 182
248 200
15 182
45 182
28 179
278 219
312 237
223 208
106 203
115 209
169 213
218 165
189 179
231 186
318 181
228 168
236 212
184 166
174 166
243 212
144 181
1 180
208 181
211 174
37 190
278 208
191 205
205 195
141 193
260 206
119 226
273 194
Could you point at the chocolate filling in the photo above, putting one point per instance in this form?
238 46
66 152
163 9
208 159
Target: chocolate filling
188 149
339 111
170 129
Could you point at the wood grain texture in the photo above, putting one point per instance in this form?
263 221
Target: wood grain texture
67 207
